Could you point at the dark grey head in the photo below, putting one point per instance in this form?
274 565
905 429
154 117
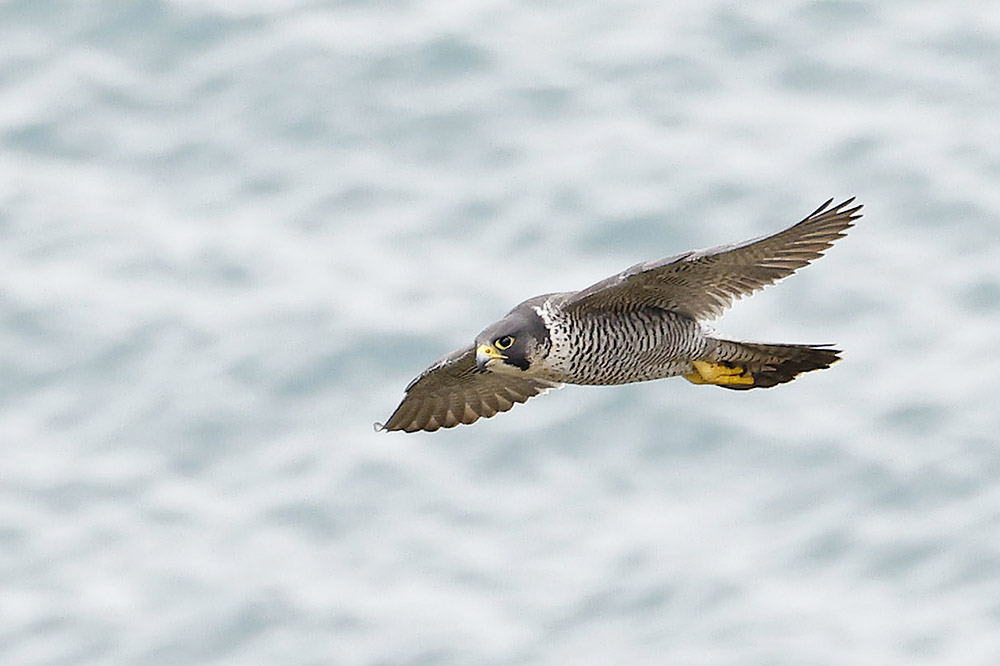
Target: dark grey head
514 342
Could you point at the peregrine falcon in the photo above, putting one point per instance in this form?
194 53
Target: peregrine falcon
647 322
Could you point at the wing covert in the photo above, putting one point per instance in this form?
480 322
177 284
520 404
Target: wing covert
454 391
703 283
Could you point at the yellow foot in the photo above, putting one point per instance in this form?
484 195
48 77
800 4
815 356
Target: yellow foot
720 374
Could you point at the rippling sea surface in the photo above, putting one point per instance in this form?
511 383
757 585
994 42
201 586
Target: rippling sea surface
231 233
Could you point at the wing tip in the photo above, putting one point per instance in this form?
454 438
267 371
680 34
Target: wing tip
838 210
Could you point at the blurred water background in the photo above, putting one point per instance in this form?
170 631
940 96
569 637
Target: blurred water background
232 231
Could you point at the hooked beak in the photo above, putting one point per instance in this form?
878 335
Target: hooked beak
486 354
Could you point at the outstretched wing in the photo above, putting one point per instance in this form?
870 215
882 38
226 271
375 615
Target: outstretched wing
703 283
454 391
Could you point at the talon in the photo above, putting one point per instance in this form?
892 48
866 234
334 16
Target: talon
719 374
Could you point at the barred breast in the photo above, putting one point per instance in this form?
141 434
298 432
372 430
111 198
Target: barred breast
621 346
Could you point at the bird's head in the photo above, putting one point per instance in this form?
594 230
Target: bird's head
512 344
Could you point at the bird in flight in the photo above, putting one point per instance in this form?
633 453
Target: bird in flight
647 322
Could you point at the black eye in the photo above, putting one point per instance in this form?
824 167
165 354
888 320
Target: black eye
504 343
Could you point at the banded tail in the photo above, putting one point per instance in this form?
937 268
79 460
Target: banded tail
747 365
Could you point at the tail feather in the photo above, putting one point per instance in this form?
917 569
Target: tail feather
773 364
